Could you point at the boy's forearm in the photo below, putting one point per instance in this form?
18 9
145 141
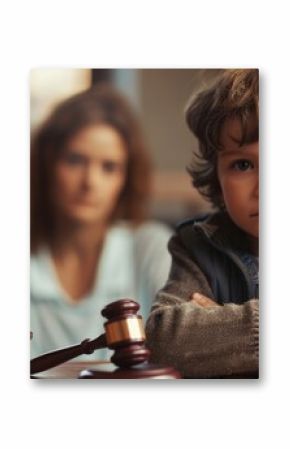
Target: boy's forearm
204 342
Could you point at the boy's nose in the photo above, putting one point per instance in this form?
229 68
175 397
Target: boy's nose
256 189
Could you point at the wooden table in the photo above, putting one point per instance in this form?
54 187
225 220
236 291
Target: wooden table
71 370
107 370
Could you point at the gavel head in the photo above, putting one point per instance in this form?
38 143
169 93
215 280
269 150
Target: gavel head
125 333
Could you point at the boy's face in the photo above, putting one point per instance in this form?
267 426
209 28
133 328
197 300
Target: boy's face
238 174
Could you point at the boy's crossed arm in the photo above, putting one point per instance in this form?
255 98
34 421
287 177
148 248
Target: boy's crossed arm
189 330
202 301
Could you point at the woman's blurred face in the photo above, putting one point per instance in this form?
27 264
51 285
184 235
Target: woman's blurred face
90 175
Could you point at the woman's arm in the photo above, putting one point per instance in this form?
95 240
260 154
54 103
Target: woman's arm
201 341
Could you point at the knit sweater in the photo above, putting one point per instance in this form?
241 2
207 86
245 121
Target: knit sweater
221 341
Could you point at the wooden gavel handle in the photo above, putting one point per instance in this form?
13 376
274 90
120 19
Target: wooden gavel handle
54 358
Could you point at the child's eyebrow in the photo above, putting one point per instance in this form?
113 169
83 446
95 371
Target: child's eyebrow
247 137
236 152
235 139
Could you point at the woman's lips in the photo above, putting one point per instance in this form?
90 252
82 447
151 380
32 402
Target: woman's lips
87 202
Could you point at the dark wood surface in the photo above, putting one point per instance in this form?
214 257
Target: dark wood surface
106 370
71 370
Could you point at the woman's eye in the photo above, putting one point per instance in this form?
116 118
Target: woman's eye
242 165
74 159
110 166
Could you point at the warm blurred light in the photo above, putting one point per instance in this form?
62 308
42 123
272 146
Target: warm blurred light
176 186
49 86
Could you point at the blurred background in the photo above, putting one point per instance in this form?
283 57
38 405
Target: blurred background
159 97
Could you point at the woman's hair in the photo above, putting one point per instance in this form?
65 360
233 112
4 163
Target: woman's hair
97 105
234 95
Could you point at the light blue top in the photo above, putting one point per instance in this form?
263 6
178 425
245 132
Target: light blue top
134 264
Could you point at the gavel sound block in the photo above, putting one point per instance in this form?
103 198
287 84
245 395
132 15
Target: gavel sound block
124 333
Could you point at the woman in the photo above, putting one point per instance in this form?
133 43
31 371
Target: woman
90 243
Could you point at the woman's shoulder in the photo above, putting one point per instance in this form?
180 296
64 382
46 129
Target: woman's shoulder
153 228
149 238
150 229
152 237
42 278
39 260
151 245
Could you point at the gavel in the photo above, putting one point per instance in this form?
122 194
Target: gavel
124 333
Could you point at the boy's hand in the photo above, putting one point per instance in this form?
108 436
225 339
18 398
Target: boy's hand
203 301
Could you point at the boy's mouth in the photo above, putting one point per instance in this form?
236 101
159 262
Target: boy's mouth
254 215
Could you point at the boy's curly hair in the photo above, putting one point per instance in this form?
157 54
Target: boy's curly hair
234 94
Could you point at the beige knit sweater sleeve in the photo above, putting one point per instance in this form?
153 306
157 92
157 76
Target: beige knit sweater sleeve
201 342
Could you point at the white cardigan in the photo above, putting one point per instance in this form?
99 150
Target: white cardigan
134 264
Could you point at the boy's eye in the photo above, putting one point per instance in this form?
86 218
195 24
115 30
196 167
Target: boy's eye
242 165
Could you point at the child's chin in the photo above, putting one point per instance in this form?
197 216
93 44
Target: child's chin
255 232
254 235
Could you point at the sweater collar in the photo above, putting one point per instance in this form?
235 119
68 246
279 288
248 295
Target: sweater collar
222 231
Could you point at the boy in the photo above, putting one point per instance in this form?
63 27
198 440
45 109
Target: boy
205 321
